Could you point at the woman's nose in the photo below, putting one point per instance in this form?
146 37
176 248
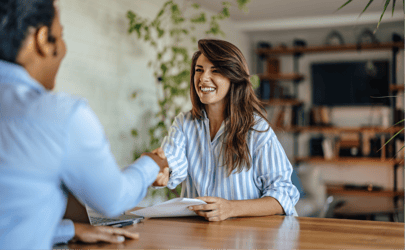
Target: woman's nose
205 76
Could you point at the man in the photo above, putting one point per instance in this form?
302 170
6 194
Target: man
52 144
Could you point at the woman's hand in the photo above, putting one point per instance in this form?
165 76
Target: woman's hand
158 155
216 209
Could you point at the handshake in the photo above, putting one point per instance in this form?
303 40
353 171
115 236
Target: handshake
158 155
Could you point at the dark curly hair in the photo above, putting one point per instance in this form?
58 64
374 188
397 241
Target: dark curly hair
16 17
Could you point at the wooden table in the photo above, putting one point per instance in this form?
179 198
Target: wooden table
271 232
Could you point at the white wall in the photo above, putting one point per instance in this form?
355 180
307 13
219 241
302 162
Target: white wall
343 116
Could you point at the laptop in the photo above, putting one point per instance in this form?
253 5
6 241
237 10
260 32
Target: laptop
76 212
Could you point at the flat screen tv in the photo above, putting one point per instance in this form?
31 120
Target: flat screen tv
350 83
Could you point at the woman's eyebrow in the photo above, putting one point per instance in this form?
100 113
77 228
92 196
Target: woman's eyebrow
199 66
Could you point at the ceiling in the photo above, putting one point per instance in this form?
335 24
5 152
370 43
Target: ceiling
260 10
273 10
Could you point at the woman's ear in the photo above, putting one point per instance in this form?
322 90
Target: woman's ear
44 47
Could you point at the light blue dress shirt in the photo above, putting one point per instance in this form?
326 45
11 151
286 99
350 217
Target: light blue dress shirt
50 143
193 157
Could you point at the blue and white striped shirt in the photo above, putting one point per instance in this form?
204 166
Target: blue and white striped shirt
193 157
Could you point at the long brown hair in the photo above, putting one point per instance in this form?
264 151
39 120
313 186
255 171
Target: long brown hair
241 101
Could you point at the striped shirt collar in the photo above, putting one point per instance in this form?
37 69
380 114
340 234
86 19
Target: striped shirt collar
11 73
221 129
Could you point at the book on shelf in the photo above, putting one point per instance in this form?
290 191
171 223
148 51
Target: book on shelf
324 115
399 148
288 117
275 114
280 117
327 147
366 145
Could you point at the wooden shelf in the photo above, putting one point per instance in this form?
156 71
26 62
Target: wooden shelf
282 102
284 129
338 130
349 160
355 205
330 48
282 77
399 87
340 190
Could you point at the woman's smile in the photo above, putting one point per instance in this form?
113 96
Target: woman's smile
211 86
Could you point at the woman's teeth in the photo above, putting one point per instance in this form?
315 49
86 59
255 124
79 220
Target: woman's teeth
207 89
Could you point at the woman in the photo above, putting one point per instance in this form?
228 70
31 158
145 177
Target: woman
224 147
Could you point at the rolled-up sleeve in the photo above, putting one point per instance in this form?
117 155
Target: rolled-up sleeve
274 175
174 146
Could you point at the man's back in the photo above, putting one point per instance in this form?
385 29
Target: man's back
33 125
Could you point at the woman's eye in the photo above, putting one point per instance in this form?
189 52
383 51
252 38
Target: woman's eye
198 70
215 71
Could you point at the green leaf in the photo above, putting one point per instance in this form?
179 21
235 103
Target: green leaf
151 131
195 6
344 4
225 13
242 5
160 32
393 7
199 19
134 132
255 80
394 136
164 68
226 4
385 8
160 13
131 15
366 7
137 28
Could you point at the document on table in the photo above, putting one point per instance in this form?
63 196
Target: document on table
172 208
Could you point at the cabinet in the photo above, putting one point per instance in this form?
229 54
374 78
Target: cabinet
272 76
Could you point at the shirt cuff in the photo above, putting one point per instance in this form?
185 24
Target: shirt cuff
284 201
64 232
148 168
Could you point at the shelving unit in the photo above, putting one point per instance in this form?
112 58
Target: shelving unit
282 77
273 74
340 190
348 160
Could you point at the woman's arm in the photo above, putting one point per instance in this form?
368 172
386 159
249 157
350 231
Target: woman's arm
218 209
174 150
273 175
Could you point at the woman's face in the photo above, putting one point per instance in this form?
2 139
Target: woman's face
210 85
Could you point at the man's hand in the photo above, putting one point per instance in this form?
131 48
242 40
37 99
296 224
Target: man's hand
92 234
159 157
217 209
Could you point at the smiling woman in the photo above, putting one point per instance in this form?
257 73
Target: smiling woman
224 148
210 85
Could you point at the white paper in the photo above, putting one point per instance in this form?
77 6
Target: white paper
172 208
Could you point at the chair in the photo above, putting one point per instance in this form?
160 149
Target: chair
314 202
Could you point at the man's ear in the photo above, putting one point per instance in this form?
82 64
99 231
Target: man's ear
44 47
